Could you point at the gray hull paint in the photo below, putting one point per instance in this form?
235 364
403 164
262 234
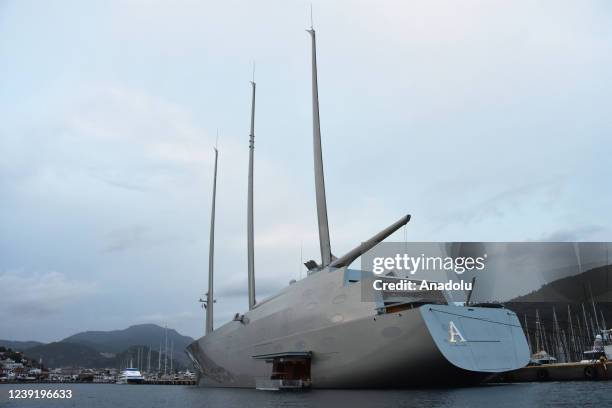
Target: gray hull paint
354 347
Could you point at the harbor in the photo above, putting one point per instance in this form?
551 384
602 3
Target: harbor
573 346
139 354
272 204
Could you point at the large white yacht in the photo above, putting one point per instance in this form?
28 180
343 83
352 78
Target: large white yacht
320 332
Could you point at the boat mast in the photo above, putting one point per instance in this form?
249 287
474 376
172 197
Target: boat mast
166 352
211 254
159 358
250 238
324 242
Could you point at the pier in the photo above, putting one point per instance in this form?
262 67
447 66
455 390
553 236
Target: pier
147 382
169 382
590 371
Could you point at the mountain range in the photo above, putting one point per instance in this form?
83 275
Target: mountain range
593 284
99 349
19 345
584 299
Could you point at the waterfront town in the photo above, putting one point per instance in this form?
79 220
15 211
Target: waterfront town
15 367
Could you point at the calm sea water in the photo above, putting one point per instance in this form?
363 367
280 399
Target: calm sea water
566 394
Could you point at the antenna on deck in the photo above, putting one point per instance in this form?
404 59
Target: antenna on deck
301 258
311 24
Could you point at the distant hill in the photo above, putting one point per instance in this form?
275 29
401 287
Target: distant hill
575 289
64 354
115 348
19 345
148 335
568 296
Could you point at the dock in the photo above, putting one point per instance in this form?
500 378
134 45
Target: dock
579 371
150 382
170 382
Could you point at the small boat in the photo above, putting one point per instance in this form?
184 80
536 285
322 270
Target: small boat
130 376
602 348
542 357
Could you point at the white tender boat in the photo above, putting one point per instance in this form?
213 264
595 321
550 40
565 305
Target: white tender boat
130 376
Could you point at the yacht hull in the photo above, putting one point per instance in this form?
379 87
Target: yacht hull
409 348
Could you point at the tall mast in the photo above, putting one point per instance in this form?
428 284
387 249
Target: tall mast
572 342
528 337
324 242
586 323
210 300
250 238
159 358
594 309
166 351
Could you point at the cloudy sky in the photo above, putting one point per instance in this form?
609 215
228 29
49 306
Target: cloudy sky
486 120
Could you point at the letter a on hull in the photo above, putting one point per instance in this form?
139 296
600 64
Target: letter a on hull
454 333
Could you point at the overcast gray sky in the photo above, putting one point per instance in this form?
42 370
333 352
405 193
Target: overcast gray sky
486 120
